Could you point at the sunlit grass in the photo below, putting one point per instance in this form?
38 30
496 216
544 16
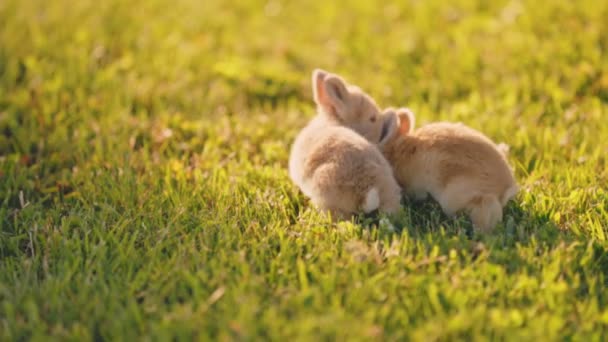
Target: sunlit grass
143 153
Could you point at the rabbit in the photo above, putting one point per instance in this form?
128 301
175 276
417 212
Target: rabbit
459 167
335 161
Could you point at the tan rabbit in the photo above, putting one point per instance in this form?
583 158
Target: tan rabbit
334 159
458 166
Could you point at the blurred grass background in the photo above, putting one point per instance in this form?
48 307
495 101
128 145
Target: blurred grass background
143 153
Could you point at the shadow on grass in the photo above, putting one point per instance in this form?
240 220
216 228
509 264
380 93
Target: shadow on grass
426 222
420 218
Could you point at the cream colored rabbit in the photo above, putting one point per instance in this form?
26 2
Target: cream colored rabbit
459 167
334 159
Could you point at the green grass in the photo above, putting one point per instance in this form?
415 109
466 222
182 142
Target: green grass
144 191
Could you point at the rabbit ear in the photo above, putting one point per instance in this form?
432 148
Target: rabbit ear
330 94
406 120
390 126
318 76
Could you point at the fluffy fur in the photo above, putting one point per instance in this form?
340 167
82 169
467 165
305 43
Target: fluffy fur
334 159
458 166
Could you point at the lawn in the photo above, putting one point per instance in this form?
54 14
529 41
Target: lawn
143 171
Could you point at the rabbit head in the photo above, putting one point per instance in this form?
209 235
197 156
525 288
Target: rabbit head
396 122
346 105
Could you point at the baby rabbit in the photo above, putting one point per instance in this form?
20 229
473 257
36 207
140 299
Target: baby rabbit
334 159
461 168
